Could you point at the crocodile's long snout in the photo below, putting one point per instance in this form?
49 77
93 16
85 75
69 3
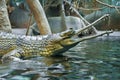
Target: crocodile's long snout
90 25
75 38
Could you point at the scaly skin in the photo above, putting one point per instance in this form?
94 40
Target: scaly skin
16 46
28 46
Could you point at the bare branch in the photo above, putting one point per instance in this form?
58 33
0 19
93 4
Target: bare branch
28 27
93 9
111 6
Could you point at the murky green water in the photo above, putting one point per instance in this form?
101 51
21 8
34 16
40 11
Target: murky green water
96 59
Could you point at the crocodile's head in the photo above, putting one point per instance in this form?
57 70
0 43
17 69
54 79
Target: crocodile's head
69 39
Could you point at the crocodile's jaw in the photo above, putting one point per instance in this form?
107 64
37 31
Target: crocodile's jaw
65 45
58 48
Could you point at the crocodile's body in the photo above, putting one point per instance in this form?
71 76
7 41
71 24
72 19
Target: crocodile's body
36 45
16 46
20 46
28 46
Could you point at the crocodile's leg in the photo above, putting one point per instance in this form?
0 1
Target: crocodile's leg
14 55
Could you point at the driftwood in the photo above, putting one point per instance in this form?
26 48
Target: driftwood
39 16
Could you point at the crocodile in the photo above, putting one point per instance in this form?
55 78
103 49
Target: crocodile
17 47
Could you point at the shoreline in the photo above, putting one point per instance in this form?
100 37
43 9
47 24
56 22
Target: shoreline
23 32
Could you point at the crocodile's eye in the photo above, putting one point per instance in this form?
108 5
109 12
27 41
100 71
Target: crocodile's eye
67 33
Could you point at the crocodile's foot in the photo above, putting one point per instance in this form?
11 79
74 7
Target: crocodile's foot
10 56
7 59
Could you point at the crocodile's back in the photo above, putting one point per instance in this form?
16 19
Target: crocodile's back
46 45
36 46
29 46
7 43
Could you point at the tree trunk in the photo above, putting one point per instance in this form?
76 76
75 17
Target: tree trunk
4 20
40 16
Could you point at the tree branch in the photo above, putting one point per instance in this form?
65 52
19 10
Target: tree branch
92 9
111 6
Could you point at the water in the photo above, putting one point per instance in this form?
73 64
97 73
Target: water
96 59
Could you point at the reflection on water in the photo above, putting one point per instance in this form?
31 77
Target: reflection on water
96 59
